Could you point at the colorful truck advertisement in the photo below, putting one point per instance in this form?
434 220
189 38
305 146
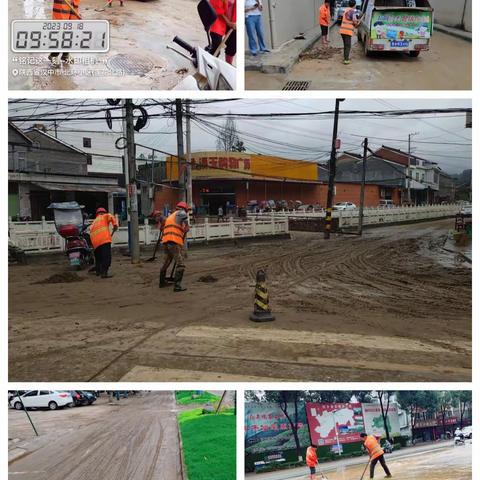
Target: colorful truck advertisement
268 430
372 416
400 27
329 420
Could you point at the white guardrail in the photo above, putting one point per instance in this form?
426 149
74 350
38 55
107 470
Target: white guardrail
41 237
372 216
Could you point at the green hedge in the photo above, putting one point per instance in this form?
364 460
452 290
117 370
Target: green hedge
184 397
209 444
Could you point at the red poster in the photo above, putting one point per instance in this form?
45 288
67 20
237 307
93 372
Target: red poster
329 420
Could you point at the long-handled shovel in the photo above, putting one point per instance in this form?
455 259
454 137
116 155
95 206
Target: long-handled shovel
365 471
103 8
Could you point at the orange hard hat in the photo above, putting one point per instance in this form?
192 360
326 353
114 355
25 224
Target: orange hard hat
183 205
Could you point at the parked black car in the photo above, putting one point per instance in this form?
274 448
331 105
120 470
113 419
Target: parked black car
81 398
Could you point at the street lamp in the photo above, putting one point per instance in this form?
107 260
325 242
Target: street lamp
336 430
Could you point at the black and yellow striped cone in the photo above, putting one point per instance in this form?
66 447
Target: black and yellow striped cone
261 310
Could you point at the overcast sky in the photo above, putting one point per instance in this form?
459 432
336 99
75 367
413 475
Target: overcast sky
305 138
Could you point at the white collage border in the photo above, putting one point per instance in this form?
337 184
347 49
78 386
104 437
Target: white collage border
239 386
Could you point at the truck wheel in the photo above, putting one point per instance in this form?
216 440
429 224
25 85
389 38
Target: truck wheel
414 53
367 52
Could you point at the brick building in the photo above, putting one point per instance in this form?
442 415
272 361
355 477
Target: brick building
231 178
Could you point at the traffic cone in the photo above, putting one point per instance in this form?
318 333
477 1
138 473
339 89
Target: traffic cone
261 310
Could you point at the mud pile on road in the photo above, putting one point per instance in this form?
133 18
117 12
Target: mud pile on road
66 277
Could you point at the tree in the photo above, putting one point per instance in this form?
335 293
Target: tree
464 400
383 397
228 139
445 401
282 398
416 402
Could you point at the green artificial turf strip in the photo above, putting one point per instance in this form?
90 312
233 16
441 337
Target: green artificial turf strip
185 397
209 445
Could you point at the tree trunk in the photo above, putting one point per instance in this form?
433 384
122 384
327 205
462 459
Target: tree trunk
293 425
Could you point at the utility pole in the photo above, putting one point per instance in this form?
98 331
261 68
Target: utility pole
362 188
409 172
189 195
332 166
180 150
132 198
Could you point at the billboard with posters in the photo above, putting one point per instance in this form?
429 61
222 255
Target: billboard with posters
372 416
324 417
268 430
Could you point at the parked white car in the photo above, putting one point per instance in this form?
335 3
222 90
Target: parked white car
466 209
386 203
51 399
344 206
467 432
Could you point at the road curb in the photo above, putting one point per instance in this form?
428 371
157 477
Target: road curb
283 59
13 457
183 467
454 32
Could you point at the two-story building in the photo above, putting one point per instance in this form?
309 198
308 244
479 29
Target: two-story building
43 169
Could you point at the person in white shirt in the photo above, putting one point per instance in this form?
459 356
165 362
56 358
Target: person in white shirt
254 26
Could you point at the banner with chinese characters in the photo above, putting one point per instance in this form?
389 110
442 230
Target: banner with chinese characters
374 425
267 429
332 423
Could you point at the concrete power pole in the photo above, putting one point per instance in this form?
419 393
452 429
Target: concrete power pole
188 132
132 198
332 167
180 151
362 188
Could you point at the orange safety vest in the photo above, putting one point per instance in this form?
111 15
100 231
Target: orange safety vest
172 231
62 11
100 230
324 17
373 447
312 459
347 27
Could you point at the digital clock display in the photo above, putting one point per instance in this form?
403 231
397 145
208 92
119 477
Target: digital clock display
60 36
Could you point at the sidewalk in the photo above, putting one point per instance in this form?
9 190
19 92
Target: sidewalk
333 466
283 59
455 32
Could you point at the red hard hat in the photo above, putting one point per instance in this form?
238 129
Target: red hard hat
100 210
156 213
183 205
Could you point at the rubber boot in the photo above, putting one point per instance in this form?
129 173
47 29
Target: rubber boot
163 280
178 282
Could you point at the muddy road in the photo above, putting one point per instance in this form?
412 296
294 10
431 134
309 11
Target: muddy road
447 66
391 306
139 34
136 439
423 463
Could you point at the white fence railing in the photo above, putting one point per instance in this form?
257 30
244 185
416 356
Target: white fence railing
372 216
40 237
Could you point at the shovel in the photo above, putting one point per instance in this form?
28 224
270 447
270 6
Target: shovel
366 466
103 8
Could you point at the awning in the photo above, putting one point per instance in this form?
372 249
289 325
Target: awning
79 187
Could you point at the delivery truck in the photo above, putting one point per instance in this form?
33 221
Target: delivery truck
396 26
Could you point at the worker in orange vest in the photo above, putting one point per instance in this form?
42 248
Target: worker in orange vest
173 239
347 29
372 445
324 20
312 460
64 10
101 239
